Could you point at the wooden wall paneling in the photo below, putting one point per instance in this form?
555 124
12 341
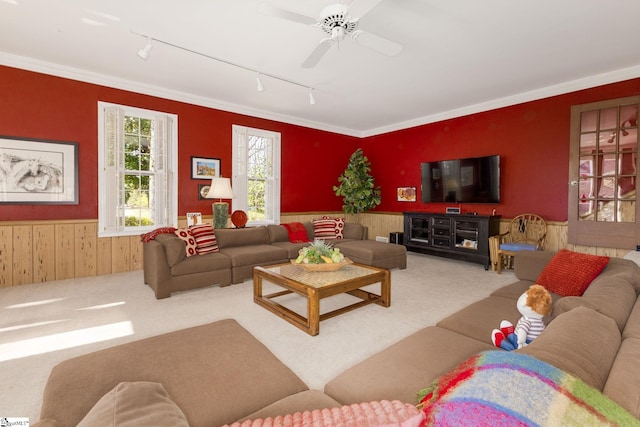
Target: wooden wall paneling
22 254
65 253
120 254
85 248
103 249
44 253
136 253
6 255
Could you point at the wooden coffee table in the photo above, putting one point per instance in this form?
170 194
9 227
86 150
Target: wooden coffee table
317 285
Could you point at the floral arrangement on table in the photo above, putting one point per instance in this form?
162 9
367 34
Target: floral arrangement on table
321 256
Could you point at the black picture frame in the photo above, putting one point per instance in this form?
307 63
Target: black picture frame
204 167
38 171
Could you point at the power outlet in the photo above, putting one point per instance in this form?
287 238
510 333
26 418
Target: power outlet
382 239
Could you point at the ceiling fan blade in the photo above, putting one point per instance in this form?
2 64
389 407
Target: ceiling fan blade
269 9
318 52
377 43
359 8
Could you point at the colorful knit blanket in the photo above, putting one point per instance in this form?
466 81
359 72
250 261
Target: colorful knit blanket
500 388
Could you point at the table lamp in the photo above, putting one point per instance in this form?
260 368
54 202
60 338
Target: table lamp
220 189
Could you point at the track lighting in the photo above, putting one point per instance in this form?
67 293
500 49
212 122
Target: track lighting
260 87
144 52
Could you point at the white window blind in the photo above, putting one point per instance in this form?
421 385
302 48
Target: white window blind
256 174
156 199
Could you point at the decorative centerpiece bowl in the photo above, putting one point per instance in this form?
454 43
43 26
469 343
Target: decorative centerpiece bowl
321 256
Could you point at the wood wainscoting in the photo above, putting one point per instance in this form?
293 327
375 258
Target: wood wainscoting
43 251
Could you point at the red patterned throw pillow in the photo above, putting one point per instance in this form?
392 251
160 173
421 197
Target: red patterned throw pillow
188 239
328 228
570 273
205 237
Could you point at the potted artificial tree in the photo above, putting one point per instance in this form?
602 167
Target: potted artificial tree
357 186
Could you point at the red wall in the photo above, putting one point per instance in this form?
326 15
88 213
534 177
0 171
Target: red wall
35 105
532 139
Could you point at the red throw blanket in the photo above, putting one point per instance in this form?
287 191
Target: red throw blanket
297 232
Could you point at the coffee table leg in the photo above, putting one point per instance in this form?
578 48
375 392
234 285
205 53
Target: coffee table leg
385 289
257 286
313 311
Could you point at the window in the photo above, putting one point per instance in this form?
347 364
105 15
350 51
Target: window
137 158
256 174
603 173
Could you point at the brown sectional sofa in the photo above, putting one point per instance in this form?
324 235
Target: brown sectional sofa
167 269
595 337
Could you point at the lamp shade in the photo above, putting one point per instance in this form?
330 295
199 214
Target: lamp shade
220 189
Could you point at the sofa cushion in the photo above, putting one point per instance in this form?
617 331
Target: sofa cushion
400 370
612 296
174 248
135 404
569 273
477 320
234 237
529 264
370 252
582 342
189 241
201 264
632 328
255 255
622 384
206 242
210 357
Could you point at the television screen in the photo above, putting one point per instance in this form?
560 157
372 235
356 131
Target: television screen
473 180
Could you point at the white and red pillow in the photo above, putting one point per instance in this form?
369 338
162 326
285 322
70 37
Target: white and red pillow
190 242
328 228
205 238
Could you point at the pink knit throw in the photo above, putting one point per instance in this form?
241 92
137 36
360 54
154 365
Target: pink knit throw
381 414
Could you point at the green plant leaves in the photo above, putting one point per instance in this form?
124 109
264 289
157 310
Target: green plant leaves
357 186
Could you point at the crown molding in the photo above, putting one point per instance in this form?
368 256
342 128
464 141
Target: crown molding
534 95
58 70
85 76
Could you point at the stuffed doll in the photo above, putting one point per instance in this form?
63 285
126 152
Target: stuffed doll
534 304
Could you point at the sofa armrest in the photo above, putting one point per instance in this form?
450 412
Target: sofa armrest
156 268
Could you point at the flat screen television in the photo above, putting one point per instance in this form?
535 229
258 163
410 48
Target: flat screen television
472 180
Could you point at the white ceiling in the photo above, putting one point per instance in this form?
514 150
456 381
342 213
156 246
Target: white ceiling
459 56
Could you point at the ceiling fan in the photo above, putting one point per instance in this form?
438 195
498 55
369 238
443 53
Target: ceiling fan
337 21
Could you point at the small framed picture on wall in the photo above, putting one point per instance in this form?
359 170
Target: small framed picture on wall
406 194
204 168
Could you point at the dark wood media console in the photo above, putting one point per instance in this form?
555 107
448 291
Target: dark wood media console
459 236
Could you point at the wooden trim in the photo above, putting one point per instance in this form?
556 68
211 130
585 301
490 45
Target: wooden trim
43 251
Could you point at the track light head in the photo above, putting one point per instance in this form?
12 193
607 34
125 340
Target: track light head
312 99
259 84
144 52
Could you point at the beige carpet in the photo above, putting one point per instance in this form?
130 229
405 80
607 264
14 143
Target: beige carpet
43 324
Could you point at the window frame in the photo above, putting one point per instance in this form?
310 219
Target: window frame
166 195
623 235
239 172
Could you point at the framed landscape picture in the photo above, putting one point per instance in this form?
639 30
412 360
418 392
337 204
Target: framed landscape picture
204 168
34 171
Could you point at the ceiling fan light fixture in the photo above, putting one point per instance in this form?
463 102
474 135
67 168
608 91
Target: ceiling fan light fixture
144 52
259 85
